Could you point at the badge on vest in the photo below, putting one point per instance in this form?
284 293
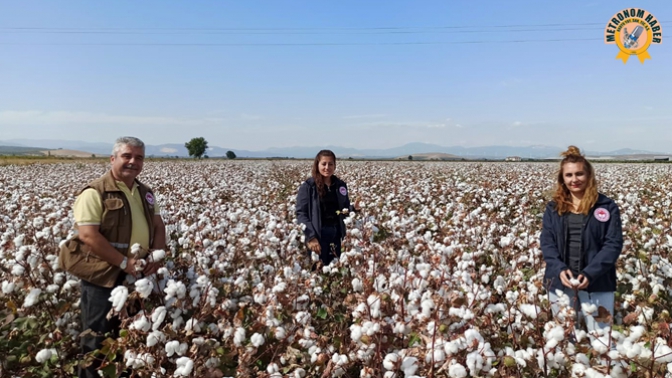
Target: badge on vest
150 198
343 190
602 214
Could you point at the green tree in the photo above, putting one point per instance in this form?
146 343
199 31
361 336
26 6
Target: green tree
197 147
410 157
230 154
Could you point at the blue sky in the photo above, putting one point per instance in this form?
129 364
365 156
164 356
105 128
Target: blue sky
374 74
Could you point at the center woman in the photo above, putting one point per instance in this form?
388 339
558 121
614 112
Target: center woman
319 206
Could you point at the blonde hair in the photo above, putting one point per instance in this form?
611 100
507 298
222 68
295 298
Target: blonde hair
562 196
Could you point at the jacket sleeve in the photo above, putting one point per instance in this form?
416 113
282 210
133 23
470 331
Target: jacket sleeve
348 205
303 211
549 245
606 258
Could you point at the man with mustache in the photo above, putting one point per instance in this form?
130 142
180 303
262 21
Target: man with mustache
112 213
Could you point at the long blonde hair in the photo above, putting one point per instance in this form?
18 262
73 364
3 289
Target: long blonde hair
562 196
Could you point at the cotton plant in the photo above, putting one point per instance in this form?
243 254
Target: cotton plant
443 263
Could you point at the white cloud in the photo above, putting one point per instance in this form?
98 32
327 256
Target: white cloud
58 118
251 117
168 150
517 123
364 116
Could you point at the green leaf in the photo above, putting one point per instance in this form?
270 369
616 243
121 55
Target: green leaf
109 371
322 313
414 339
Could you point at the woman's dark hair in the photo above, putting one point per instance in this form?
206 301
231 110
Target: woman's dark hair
319 180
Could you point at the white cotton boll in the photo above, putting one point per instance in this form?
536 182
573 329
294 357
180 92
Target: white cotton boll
192 325
52 288
257 340
158 316
158 255
357 284
182 349
45 355
355 332
280 333
18 241
409 366
272 368
279 288
18 270
299 373
118 297
438 355
601 345
662 352
401 328
8 287
589 308
155 337
172 347
636 332
592 373
144 287
135 249
574 282
141 324
529 310
390 362
553 336
32 297
239 336
140 265
457 371
184 367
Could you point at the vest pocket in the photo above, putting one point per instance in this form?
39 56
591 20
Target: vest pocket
114 203
114 214
75 258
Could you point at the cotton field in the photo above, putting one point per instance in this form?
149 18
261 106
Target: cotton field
441 276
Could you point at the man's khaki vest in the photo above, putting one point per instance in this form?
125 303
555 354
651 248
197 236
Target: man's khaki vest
116 226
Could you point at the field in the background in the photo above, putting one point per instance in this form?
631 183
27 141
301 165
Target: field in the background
441 274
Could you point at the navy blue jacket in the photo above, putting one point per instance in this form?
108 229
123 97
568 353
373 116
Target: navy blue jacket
308 207
601 245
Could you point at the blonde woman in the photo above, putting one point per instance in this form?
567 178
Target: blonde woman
581 240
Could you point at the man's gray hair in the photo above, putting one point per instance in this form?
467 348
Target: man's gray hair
127 141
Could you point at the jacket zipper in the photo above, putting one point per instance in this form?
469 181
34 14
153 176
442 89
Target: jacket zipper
581 254
565 247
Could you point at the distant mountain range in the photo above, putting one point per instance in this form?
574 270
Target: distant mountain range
486 152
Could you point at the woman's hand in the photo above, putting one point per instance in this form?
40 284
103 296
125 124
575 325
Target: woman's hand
566 278
584 282
314 245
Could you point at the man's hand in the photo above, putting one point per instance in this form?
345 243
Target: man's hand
314 245
356 207
584 282
130 267
566 277
151 268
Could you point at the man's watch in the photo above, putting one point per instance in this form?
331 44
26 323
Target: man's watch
123 264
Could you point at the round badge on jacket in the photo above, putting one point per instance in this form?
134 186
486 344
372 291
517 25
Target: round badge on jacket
150 198
602 214
343 190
